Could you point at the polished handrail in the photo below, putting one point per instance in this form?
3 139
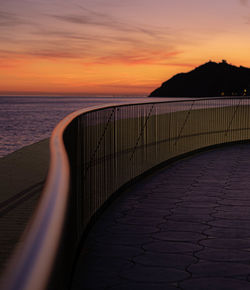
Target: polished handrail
33 263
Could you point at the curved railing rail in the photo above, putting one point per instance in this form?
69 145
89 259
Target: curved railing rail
96 151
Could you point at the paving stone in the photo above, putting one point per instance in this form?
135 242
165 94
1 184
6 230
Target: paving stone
198 204
234 208
143 286
221 255
201 192
136 195
172 247
215 283
194 218
170 191
240 244
155 202
238 202
230 233
223 223
125 208
165 260
192 211
148 212
208 186
123 239
132 229
183 226
238 186
201 198
237 194
123 252
141 220
95 281
218 269
108 217
140 273
159 199
172 185
242 215
179 236
90 274
210 183
157 206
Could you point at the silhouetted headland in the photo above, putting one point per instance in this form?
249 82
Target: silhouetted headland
208 80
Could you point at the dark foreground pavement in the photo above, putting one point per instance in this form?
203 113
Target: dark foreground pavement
186 227
22 176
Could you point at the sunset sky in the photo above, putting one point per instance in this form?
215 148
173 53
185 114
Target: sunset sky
115 47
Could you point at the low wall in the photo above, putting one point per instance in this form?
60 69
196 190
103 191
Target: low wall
22 176
23 169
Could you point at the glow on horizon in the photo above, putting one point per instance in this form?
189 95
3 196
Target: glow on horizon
115 47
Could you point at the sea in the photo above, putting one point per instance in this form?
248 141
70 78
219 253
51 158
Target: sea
28 119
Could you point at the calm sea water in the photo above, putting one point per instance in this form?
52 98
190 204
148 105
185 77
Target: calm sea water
26 120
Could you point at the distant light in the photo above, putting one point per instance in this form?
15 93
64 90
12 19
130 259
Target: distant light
222 94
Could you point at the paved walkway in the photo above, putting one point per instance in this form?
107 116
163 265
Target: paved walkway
187 227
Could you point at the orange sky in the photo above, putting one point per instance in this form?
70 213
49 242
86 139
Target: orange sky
115 47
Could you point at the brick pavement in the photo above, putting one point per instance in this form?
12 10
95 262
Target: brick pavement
186 227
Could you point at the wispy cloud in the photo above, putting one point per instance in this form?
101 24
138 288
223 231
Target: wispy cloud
139 58
244 2
8 19
52 54
101 38
91 18
87 35
92 37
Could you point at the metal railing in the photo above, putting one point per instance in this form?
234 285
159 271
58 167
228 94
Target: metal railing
96 151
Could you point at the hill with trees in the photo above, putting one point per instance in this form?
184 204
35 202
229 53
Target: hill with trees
208 80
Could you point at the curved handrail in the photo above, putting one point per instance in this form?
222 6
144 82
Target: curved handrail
31 264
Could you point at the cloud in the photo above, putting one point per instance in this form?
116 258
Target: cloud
132 58
92 37
244 2
8 19
11 60
92 18
98 38
101 38
52 54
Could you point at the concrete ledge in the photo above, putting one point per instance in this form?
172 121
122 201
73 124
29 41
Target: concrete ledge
23 168
22 175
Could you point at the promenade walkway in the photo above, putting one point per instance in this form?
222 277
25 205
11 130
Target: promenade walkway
186 227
